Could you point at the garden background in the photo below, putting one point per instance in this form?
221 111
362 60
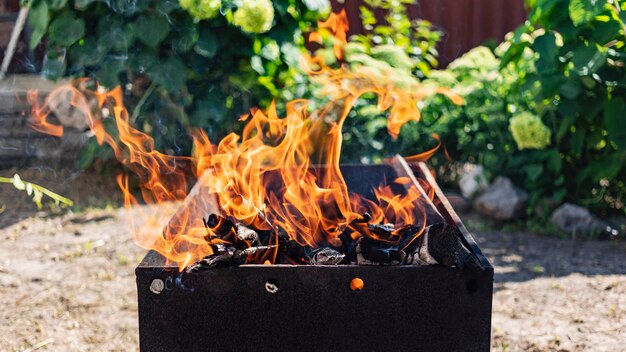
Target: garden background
535 156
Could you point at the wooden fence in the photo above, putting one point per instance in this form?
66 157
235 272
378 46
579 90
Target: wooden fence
465 23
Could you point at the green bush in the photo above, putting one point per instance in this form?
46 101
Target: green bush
478 131
395 30
396 50
193 63
565 69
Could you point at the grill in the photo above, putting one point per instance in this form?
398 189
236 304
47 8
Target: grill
319 308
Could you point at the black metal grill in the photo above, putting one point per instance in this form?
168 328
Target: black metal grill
313 308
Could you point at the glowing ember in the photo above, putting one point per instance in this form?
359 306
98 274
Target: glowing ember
264 178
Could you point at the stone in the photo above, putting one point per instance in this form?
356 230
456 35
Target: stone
575 219
502 200
459 203
472 180
69 113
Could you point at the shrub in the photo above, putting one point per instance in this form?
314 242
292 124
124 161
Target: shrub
579 56
193 63
564 69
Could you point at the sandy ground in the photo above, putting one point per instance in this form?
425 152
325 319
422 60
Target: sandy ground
67 284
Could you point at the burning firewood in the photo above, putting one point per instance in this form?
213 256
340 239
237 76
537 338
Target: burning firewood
244 233
361 243
226 256
441 244
218 224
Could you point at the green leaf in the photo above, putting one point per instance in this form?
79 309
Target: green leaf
281 6
169 74
186 36
554 161
577 141
207 44
622 16
546 46
604 32
566 123
551 85
128 7
615 121
583 11
113 34
588 60
38 19
82 4
533 171
88 53
167 6
56 4
209 111
609 167
54 64
559 194
66 29
144 61
571 89
108 74
152 29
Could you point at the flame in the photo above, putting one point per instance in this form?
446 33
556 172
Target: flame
264 177
337 23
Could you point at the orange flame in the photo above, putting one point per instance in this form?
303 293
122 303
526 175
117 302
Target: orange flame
264 177
337 23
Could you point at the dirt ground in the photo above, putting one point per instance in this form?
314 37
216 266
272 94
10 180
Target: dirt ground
67 282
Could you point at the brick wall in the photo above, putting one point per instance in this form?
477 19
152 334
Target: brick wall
20 145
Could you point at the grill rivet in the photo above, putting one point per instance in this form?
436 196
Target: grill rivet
271 286
157 286
356 284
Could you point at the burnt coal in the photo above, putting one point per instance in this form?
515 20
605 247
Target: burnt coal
245 233
382 230
373 252
441 244
295 251
326 256
361 243
226 256
218 224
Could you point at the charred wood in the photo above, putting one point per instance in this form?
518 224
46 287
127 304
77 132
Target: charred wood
245 233
441 244
218 225
326 256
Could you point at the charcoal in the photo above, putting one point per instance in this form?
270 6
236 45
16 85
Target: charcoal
441 244
283 236
373 252
211 261
253 250
245 233
383 230
226 256
326 256
365 218
348 246
295 251
218 224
